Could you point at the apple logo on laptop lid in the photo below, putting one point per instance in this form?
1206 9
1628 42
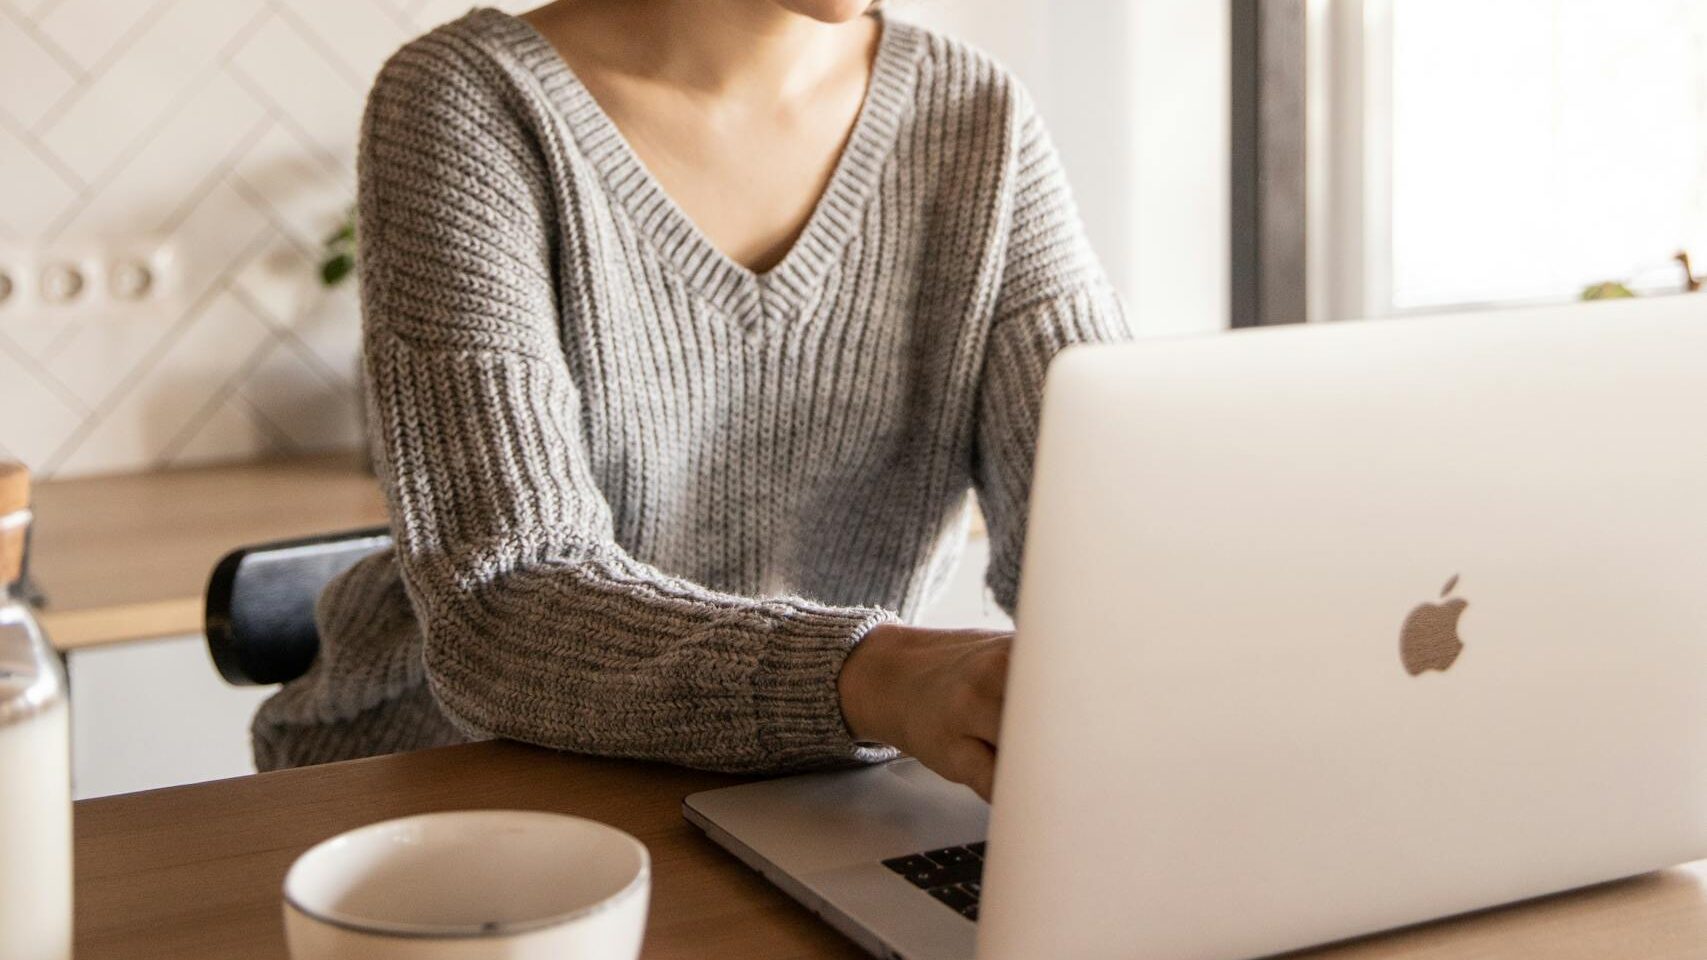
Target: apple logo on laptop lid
1429 639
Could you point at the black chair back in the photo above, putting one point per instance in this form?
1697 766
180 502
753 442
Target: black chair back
260 603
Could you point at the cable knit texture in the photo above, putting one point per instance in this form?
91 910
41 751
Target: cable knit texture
646 500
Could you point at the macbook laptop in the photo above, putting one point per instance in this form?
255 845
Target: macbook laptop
1322 631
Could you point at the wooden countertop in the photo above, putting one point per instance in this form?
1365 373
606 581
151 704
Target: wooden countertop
127 557
194 872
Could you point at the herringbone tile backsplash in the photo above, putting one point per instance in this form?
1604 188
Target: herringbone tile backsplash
220 133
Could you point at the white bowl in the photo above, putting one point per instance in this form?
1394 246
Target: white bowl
470 885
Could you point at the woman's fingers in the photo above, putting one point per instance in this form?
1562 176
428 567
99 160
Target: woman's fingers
981 717
982 707
974 717
990 676
972 762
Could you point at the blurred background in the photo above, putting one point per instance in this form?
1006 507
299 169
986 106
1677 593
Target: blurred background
175 288
171 169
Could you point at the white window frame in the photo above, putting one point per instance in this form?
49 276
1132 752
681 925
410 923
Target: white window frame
1350 159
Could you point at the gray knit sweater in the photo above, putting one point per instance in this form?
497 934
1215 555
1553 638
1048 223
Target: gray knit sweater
645 500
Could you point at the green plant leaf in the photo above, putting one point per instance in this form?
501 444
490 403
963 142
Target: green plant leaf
1610 290
345 234
334 269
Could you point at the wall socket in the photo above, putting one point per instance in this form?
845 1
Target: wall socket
112 279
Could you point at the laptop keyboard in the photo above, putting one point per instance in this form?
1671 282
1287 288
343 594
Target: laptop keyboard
953 875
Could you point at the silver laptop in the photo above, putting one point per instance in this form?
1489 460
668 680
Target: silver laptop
1322 631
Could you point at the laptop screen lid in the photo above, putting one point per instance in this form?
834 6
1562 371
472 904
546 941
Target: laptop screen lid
1328 630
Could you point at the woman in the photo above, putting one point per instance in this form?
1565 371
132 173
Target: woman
689 324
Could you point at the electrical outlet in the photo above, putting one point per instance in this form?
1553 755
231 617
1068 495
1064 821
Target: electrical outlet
118 279
64 283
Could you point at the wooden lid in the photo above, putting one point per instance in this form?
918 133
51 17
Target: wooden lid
14 497
14 486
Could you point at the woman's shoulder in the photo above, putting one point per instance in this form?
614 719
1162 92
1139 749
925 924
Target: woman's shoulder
482 55
958 76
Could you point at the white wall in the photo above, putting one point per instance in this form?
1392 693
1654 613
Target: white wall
1135 93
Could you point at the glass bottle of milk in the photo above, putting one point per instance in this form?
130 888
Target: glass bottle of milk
35 758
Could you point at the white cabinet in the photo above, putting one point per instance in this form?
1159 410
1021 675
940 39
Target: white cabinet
154 714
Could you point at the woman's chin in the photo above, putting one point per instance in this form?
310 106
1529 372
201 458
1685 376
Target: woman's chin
827 11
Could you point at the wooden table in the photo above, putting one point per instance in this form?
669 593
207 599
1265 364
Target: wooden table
193 873
127 557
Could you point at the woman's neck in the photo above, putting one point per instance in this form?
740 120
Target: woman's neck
712 47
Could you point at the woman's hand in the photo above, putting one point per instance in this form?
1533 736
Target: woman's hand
935 694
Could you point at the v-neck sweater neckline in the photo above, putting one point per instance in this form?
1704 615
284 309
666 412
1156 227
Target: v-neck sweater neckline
754 299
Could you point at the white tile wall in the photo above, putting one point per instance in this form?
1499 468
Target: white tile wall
37 74
225 130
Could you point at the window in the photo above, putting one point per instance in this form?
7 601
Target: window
1475 152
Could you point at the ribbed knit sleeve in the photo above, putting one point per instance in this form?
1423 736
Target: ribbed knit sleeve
1053 295
536 624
